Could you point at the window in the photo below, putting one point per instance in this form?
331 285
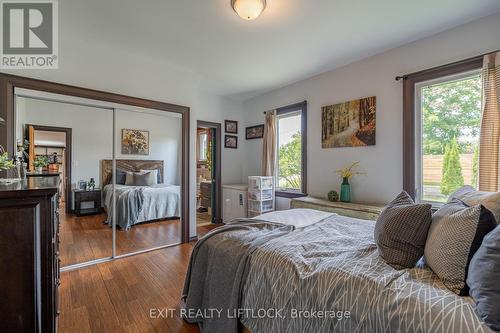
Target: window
291 141
441 127
202 145
449 121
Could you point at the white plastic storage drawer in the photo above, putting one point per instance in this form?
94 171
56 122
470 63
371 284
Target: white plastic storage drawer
264 195
255 205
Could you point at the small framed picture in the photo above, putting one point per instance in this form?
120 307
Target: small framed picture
255 132
231 141
82 185
231 126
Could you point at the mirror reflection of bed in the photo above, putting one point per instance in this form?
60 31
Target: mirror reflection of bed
147 207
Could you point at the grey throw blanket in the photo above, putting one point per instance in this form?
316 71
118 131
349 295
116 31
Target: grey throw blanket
128 207
217 270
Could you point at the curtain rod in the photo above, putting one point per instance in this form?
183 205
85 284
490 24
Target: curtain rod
405 76
288 106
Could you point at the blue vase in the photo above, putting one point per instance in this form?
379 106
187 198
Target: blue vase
345 191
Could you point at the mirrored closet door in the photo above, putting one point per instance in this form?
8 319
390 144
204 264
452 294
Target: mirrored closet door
148 177
58 137
120 168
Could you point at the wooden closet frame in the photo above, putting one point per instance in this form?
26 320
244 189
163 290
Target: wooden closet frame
9 82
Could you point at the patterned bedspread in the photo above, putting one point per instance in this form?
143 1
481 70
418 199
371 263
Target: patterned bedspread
328 277
136 204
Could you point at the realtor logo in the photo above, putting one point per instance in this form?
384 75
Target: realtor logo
29 35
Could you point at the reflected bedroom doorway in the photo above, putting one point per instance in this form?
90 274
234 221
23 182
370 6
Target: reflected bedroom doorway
54 144
208 173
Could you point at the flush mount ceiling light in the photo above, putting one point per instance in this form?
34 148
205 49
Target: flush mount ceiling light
248 9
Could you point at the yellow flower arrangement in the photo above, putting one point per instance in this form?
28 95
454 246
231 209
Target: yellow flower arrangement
349 171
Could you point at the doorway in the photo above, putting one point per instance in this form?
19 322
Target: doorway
208 173
51 145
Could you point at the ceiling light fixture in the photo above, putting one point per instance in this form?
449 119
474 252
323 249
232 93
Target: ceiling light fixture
248 9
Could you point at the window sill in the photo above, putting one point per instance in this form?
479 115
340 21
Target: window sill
435 204
289 194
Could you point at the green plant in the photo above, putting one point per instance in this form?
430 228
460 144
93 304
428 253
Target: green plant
451 110
290 167
41 162
452 170
209 150
5 162
333 196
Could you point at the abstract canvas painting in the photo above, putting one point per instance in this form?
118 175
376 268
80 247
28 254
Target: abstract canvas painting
135 142
349 124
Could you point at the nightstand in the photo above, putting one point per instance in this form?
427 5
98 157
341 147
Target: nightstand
87 202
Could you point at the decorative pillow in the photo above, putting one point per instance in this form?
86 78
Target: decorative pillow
121 177
483 279
129 178
156 173
471 197
456 233
401 231
144 179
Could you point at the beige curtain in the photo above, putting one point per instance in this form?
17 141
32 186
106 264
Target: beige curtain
489 147
269 145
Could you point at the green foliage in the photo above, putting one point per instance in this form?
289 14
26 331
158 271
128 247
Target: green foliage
5 162
209 152
41 161
333 196
290 157
452 170
451 110
446 159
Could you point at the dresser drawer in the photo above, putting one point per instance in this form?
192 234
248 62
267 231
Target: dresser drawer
88 196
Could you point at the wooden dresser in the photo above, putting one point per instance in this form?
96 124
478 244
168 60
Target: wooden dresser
29 255
356 210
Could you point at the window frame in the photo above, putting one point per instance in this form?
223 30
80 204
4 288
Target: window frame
419 171
410 85
302 108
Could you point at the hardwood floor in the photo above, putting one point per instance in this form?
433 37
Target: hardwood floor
118 296
87 238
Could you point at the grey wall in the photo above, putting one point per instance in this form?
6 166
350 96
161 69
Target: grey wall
370 77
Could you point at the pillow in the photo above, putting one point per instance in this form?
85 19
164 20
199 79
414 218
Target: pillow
121 177
144 179
129 178
298 217
401 231
156 173
483 279
471 197
456 233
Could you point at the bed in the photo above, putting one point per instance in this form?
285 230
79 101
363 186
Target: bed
139 204
319 272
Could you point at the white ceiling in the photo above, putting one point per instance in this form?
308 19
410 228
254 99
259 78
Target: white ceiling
291 41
